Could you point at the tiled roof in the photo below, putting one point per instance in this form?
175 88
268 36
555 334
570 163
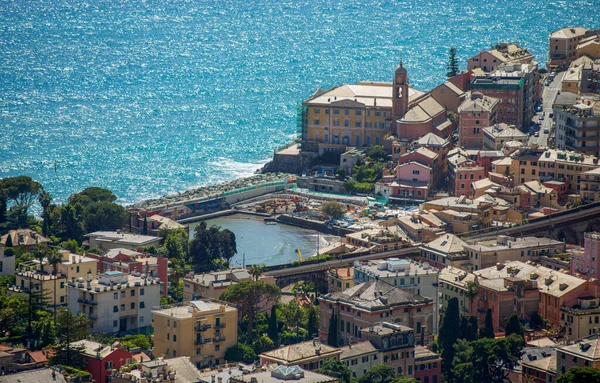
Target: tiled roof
43 375
376 294
448 244
294 353
431 139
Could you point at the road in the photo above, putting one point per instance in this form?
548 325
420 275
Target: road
548 96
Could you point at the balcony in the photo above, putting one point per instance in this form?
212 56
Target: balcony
202 341
86 301
219 338
220 325
202 328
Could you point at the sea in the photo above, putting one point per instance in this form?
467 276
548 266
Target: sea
151 97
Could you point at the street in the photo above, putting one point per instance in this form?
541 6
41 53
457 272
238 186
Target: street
549 96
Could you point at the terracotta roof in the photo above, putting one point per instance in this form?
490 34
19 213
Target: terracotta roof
376 295
568 32
24 237
295 353
38 356
431 139
448 244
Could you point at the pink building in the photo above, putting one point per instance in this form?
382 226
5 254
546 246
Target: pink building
421 155
476 112
413 171
586 265
466 174
412 181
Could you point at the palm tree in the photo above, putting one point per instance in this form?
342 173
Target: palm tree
471 293
257 271
40 253
54 259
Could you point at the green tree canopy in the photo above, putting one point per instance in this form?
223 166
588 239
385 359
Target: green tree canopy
404 379
378 374
212 247
69 329
336 369
22 190
333 209
580 375
513 326
251 298
92 194
240 353
452 63
487 330
449 333
377 153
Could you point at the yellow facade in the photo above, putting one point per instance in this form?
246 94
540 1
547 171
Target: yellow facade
202 330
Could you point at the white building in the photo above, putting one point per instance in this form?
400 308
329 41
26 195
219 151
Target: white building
115 302
7 262
107 240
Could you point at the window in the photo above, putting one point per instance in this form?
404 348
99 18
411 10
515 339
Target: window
78 269
116 296
122 307
122 294
416 172
174 324
346 112
141 291
115 323
142 305
174 353
62 284
62 299
108 365
168 336
217 347
115 309
197 351
174 338
317 110
133 293
132 305
316 121
141 319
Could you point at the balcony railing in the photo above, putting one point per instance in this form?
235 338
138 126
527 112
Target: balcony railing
202 328
219 338
202 340
86 301
220 325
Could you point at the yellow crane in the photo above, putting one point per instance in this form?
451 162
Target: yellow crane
299 255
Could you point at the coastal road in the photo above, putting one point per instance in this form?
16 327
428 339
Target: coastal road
549 96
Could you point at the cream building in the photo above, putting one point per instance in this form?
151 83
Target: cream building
202 330
115 302
496 135
583 319
453 284
563 46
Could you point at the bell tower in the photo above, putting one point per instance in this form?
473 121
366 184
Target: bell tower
400 92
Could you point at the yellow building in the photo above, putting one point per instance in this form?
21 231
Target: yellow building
583 319
563 46
590 47
349 115
340 279
202 330
40 278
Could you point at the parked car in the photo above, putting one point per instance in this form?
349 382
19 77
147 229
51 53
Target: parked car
537 134
546 131
541 117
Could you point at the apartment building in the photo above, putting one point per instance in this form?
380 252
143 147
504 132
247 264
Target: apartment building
590 186
582 353
532 90
453 284
563 46
496 135
367 304
107 240
480 211
586 264
308 355
396 344
283 374
7 262
578 127
428 365
25 238
446 250
212 285
502 53
115 302
566 166
475 113
339 279
582 319
201 329
360 357
465 175
510 92
102 359
488 252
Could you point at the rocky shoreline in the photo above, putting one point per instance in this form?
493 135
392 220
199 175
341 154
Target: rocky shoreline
214 190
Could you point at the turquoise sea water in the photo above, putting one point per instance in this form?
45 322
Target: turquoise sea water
153 97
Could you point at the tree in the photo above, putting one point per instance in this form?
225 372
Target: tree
341 174
240 353
449 333
377 153
580 375
54 259
471 293
69 329
487 360
263 344
404 379
292 315
536 321
513 326
487 330
92 194
9 242
378 374
212 248
273 329
45 199
257 271
23 191
251 297
333 209
452 63
336 369
312 322
145 227
332 331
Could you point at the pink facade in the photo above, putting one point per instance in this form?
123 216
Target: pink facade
416 156
413 171
587 264
471 128
465 176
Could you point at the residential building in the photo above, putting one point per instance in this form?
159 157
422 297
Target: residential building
582 319
445 250
308 355
283 374
532 91
36 376
101 359
578 127
543 196
590 186
510 93
465 175
379 239
583 353
415 277
26 238
106 240
133 262
502 53
367 304
340 279
475 113
480 188
487 252
590 45
115 302
453 284
480 208
360 357
565 166
563 46
459 222
496 135
212 285
396 344
7 261
173 370
202 330
521 288
413 180
574 81
422 226
586 264
154 222
350 158
14 359
40 278
438 145
428 365
539 366
449 96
